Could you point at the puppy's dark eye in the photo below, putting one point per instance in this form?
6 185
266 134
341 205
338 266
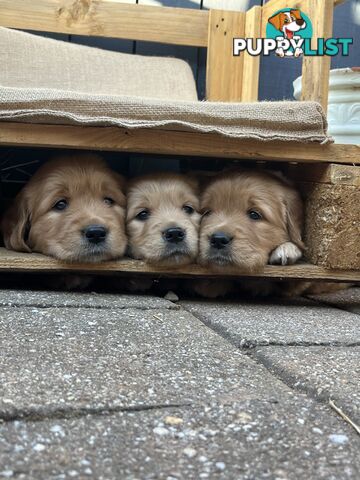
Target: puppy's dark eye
206 213
143 215
188 209
60 205
109 201
254 215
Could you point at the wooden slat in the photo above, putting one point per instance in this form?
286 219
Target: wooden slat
32 262
170 142
316 70
108 18
251 65
332 174
223 70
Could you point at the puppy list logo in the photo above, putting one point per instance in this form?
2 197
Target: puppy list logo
288 34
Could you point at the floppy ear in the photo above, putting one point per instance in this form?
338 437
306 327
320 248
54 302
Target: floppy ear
16 224
294 216
296 13
121 183
276 20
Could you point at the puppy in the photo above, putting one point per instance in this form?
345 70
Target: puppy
162 219
250 218
73 209
288 23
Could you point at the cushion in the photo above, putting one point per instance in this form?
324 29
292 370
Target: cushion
32 61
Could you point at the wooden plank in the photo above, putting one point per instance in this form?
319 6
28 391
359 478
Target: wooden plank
223 70
316 70
171 141
108 18
332 174
33 262
251 65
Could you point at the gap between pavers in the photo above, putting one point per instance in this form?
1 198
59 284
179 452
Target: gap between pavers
323 372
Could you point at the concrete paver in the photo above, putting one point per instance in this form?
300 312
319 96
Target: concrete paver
280 322
254 439
323 371
54 359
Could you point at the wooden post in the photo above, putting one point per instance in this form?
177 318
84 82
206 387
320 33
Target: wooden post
224 72
316 70
251 64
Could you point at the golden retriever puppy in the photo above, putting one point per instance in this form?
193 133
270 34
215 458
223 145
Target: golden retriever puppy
162 219
250 218
73 209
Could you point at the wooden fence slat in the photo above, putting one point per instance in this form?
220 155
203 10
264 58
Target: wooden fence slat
108 18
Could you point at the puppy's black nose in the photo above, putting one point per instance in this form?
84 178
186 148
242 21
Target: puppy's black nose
174 235
95 233
300 22
220 240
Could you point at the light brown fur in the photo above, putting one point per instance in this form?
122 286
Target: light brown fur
32 224
229 198
164 196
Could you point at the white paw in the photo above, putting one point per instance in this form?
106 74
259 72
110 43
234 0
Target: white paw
285 254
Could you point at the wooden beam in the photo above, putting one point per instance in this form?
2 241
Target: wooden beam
108 18
332 174
224 72
171 142
251 65
33 262
316 70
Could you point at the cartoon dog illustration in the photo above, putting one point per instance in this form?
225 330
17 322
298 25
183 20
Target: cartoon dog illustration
288 23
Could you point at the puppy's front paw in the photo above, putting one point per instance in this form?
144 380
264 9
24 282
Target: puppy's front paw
285 254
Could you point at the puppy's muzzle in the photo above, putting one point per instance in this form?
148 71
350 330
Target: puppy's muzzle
220 240
95 234
174 235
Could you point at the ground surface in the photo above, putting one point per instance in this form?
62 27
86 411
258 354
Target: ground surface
135 387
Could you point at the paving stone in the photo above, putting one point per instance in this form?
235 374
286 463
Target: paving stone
41 298
282 322
247 440
54 359
346 299
326 372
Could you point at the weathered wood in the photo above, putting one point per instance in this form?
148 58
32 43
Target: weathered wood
251 65
333 174
108 18
32 262
224 72
333 225
316 70
171 142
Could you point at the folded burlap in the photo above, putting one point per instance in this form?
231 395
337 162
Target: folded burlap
288 121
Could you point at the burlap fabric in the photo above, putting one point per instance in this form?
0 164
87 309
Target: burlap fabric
28 99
